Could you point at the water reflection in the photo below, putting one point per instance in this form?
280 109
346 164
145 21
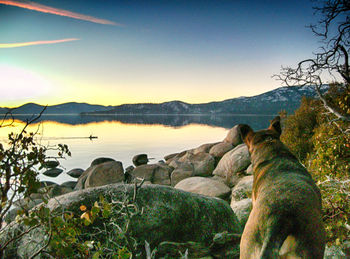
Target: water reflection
122 137
224 121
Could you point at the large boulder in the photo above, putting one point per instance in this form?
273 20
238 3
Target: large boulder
101 160
153 173
82 179
174 157
203 163
58 190
140 159
203 148
51 164
53 172
69 184
220 149
204 186
76 172
105 173
243 189
232 164
167 214
233 136
182 171
242 210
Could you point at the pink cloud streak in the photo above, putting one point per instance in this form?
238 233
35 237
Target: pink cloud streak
31 43
47 9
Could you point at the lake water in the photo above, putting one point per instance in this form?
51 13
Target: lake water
122 137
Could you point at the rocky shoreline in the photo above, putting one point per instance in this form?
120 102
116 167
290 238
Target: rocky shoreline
217 175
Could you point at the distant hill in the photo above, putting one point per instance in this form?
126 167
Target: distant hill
65 108
283 98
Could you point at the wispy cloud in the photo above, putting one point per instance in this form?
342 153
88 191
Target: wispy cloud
31 43
47 9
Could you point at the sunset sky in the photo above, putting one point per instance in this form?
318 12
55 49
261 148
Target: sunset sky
113 52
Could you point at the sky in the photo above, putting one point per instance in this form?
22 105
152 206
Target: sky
113 52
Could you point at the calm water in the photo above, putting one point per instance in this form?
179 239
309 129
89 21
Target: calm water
122 137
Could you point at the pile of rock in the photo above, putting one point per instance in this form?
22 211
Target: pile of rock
218 170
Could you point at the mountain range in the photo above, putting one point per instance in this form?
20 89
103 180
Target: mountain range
269 103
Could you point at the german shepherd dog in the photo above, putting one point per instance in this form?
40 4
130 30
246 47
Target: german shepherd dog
286 219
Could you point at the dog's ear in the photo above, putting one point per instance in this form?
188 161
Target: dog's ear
245 132
275 125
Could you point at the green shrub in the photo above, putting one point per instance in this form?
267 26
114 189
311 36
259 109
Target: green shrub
322 144
299 127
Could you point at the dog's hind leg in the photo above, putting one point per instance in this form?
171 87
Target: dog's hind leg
250 241
276 233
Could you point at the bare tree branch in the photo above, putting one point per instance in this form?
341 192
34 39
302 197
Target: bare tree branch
332 59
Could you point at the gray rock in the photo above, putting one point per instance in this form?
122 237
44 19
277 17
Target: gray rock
35 196
140 159
170 156
128 172
105 173
233 136
59 190
54 172
243 189
183 171
51 164
82 179
162 174
242 210
220 149
203 148
69 184
76 172
204 186
232 164
203 163
101 160
174 157
168 214
27 203
154 173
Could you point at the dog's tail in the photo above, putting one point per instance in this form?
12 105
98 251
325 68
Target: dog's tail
277 233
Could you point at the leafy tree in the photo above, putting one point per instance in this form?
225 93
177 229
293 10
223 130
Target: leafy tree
299 127
321 141
21 160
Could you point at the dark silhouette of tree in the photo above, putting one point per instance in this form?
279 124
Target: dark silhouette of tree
331 61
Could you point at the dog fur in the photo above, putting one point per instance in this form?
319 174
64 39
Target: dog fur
286 219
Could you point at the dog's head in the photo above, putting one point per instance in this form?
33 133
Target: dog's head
251 138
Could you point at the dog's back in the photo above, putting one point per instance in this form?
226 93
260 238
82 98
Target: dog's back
286 220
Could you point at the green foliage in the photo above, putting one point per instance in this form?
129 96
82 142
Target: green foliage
100 231
299 127
21 159
331 154
322 144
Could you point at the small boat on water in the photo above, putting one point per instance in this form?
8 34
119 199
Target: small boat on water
92 137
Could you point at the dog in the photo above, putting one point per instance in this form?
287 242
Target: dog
286 217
